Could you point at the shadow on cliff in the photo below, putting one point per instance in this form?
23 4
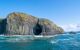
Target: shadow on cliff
37 29
3 23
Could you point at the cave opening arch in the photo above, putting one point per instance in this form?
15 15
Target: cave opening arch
37 30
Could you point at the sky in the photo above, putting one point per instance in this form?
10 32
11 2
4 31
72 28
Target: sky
61 12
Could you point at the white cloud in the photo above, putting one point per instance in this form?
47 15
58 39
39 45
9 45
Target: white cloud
71 27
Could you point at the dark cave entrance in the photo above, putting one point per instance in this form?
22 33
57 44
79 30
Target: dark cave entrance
37 29
3 24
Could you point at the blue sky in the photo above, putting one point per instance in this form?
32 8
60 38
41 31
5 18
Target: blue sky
60 11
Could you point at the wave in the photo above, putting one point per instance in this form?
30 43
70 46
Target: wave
55 42
53 38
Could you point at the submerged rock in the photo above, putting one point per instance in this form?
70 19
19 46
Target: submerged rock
23 24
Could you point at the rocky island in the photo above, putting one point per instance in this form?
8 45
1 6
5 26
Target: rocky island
18 23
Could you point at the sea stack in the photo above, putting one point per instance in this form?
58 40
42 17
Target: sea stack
18 23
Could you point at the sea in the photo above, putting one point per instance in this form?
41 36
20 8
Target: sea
64 41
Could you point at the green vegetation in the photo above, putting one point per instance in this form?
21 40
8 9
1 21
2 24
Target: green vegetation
21 16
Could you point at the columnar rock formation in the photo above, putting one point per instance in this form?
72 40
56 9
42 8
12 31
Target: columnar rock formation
20 23
23 24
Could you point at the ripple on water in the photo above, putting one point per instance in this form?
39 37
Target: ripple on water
57 42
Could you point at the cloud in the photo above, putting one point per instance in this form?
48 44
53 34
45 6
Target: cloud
71 27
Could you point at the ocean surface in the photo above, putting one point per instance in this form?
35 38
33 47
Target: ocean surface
56 42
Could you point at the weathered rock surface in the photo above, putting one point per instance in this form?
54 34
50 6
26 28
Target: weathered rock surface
49 28
23 24
20 23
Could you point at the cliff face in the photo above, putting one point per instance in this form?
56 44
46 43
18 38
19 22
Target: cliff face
23 24
19 23
49 28
3 26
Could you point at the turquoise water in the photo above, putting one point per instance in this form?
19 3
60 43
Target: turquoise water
56 42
